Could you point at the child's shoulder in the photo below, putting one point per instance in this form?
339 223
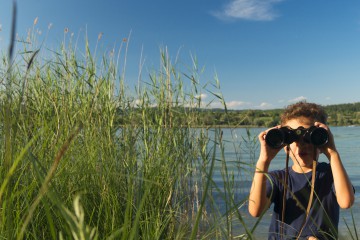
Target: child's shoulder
278 172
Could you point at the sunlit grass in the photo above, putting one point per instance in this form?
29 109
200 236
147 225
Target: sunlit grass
83 158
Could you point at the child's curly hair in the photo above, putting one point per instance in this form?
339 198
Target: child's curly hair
304 109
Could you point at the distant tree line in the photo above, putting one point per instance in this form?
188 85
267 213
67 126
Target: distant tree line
343 114
338 115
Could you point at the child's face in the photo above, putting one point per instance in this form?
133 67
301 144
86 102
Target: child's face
301 153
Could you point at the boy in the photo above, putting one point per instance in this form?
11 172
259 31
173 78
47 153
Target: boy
332 187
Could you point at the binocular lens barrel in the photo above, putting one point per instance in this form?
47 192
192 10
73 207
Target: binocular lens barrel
318 136
275 138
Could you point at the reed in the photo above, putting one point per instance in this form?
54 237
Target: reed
83 158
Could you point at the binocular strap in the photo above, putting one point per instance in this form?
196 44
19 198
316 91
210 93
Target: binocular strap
311 192
285 191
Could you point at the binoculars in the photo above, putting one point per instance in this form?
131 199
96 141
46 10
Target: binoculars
279 137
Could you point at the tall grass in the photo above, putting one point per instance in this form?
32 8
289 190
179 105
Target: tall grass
83 158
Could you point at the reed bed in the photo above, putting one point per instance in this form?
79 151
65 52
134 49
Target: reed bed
84 157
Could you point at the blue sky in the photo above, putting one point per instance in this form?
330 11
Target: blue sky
266 53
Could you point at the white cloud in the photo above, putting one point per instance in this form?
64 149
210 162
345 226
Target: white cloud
265 105
256 10
137 102
298 99
213 104
236 104
202 96
229 105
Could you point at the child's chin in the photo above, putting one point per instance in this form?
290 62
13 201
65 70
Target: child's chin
303 162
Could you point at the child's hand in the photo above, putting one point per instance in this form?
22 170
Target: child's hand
267 153
329 147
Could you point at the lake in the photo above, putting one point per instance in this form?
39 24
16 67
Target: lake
241 147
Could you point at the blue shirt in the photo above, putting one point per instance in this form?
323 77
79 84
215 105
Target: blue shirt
323 218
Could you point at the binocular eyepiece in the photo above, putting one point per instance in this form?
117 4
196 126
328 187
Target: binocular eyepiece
279 137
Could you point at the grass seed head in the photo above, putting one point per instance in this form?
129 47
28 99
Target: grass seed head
100 35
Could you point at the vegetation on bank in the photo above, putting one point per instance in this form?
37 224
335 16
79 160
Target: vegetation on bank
338 115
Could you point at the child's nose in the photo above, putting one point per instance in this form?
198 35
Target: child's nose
301 141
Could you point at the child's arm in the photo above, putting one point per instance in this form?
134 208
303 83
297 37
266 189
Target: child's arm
343 187
258 201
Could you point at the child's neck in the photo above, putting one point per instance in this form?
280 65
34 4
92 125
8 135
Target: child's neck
302 169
